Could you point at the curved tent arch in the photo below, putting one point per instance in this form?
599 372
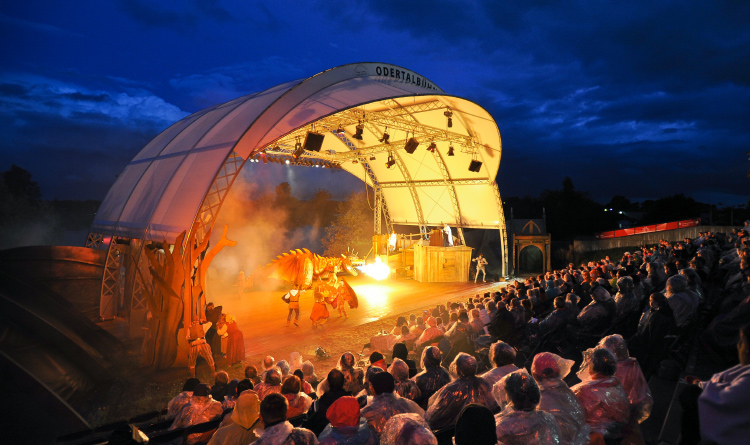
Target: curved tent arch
179 180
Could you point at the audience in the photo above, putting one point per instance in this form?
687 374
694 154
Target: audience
201 408
346 425
316 419
181 399
272 384
385 404
475 426
407 429
276 429
502 359
244 427
298 402
520 421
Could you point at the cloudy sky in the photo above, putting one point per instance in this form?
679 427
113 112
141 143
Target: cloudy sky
642 98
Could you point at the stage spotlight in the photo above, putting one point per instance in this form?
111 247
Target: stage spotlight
431 148
385 137
411 145
449 114
372 158
360 129
317 165
339 130
298 150
390 162
287 162
475 165
450 151
264 158
355 162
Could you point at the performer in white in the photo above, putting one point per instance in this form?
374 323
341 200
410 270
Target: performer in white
392 240
447 236
481 262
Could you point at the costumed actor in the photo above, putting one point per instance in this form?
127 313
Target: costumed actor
292 298
447 236
392 240
196 338
213 315
319 315
481 262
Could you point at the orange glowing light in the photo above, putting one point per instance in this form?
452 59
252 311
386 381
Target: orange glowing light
376 270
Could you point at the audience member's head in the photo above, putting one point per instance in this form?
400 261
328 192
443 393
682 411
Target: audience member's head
616 344
201 390
547 365
292 385
273 377
522 390
399 370
190 384
251 372
268 362
344 412
283 366
221 377
377 359
335 379
502 354
400 351
273 408
244 385
464 365
382 383
603 363
475 426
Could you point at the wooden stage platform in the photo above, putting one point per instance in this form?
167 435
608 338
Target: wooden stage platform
262 315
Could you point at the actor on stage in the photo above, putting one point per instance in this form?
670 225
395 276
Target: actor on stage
319 314
447 236
481 262
196 338
235 343
213 314
392 240
292 298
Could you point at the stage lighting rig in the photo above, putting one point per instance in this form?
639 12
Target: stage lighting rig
298 149
411 145
391 162
360 129
373 158
450 151
432 147
475 165
385 137
449 114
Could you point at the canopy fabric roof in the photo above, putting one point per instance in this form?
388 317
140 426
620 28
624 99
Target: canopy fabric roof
163 190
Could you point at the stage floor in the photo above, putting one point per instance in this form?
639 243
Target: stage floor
261 316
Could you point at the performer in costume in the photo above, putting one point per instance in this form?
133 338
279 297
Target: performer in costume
392 240
447 236
481 262
196 338
292 298
213 314
236 342
319 314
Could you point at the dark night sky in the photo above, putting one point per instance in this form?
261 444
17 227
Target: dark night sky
643 99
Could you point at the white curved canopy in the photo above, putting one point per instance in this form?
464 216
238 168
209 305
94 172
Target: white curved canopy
166 187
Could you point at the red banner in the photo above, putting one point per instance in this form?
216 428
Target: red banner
648 229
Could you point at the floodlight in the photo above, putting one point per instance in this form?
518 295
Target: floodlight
372 157
298 150
431 148
355 162
475 165
287 162
390 162
385 137
449 114
450 151
264 157
411 145
360 129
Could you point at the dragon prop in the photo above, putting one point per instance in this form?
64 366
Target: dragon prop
302 268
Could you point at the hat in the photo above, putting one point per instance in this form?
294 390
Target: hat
344 412
247 409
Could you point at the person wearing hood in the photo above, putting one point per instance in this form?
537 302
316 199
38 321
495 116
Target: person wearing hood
433 377
407 429
502 326
175 405
245 426
502 357
201 408
272 384
276 429
432 332
284 368
625 299
306 387
404 387
603 398
295 361
650 343
549 370
598 316
346 425
385 404
634 383
682 300
446 404
316 419
475 426
298 402
235 342
401 351
308 370
520 422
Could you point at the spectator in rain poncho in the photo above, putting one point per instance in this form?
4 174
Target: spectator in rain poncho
298 401
502 357
520 422
446 404
475 426
600 313
695 283
404 387
625 299
433 377
306 387
400 351
175 405
221 384
308 369
201 408
682 300
630 376
549 370
346 427
272 384
245 425
650 344
603 398
316 416
385 404
346 361
555 322
231 397
295 361
364 396
476 322
277 430
407 429
284 368
432 332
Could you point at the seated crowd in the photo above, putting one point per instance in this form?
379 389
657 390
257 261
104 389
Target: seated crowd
498 368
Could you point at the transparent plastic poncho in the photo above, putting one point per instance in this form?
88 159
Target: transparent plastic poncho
407 429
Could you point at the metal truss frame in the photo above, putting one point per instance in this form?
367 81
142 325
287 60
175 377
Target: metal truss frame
94 240
502 228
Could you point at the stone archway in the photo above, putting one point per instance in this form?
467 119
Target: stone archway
524 257
531 260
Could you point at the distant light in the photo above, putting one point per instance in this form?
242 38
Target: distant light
286 162
606 210
620 212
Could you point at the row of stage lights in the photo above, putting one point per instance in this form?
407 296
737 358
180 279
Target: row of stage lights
318 163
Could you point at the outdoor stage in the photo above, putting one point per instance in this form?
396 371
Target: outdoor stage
261 316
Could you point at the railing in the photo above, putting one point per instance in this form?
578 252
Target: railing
650 228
